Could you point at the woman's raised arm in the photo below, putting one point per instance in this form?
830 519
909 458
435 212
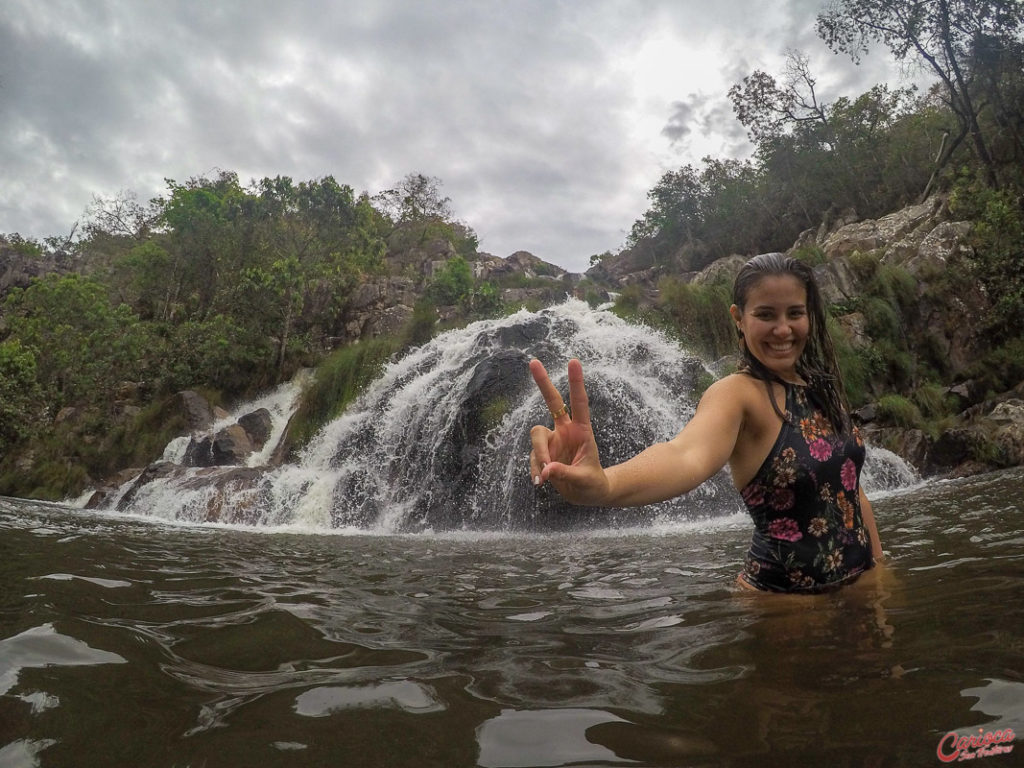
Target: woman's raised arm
567 455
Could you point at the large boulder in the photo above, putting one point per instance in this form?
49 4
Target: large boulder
498 381
257 425
195 409
722 270
231 446
838 280
389 321
1005 428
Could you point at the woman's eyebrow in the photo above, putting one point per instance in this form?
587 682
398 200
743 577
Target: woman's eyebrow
758 307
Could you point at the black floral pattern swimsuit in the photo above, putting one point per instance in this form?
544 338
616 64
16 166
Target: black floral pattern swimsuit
809 535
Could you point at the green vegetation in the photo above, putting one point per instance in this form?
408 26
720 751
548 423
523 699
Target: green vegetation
900 411
493 412
340 378
1004 363
998 240
699 314
856 367
214 285
21 398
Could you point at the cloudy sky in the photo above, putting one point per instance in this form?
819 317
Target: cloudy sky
547 121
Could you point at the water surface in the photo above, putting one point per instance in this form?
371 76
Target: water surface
131 642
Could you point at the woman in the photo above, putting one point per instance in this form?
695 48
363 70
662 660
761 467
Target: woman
780 423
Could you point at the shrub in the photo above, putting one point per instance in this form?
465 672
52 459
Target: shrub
933 400
340 378
855 366
699 314
998 240
1002 368
812 255
452 282
900 411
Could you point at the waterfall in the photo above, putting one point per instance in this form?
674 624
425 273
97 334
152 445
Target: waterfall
440 441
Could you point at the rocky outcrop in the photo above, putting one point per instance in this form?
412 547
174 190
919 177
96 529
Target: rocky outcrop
258 426
383 305
20 265
986 436
872 234
215 486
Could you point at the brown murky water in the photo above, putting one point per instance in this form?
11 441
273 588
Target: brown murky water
125 642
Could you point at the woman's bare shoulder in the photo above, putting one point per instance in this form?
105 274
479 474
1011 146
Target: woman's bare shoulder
736 385
735 391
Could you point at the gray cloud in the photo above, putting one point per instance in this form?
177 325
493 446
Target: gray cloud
679 124
543 121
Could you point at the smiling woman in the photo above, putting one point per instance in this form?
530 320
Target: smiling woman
797 466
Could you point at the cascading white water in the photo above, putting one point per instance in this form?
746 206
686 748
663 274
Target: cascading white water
441 439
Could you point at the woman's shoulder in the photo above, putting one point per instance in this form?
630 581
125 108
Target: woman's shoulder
738 383
751 395
738 388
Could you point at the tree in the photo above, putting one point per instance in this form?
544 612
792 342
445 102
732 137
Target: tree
20 395
415 198
767 109
83 346
453 282
121 216
317 241
942 34
420 213
206 221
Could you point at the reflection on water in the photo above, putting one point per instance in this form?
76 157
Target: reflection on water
1002 700
44 647
544 737
400 694
125 642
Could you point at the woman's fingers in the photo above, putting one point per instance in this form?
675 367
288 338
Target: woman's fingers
552 397
555 452
540 455
578 394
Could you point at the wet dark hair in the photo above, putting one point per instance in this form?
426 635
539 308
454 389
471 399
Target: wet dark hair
817 365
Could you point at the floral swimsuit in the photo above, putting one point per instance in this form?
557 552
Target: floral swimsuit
809 534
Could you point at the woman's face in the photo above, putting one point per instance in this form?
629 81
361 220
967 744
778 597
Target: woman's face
775 324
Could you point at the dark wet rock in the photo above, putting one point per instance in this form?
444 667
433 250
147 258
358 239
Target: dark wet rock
257 425
497 383
522 335
199 452
866 414
952 448
156 471
231 445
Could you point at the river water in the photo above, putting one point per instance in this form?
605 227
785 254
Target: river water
127 641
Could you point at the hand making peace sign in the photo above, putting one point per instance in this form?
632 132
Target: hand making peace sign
567 455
